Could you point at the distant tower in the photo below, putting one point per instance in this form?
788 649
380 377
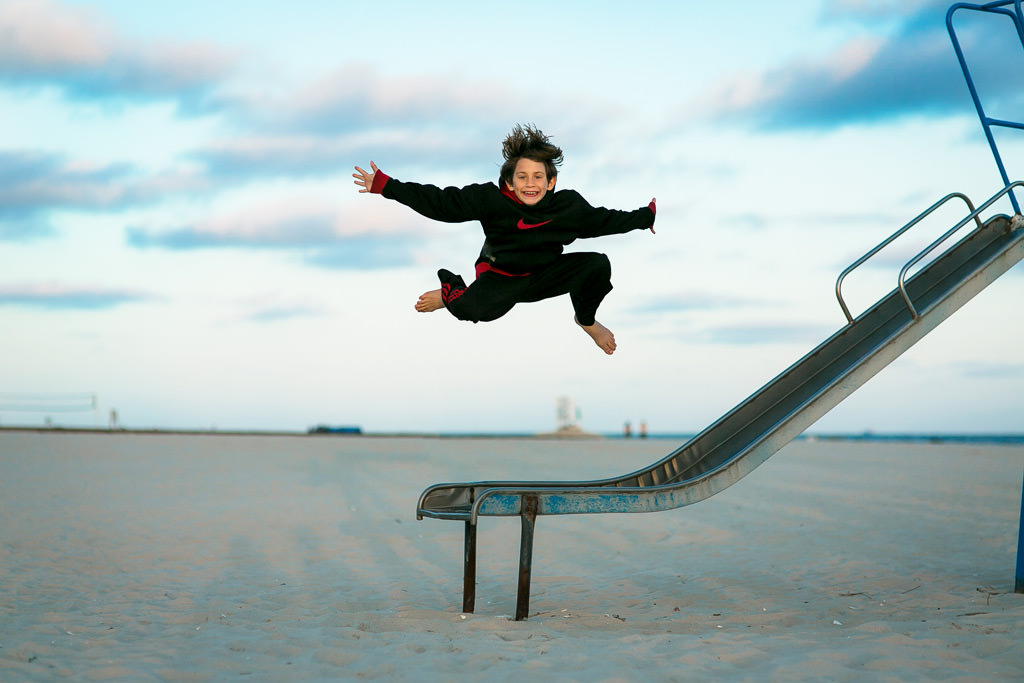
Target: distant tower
568 414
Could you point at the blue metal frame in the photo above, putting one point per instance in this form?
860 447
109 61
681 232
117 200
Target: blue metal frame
1018 584
1017 17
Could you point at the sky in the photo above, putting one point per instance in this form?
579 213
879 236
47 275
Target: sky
181 240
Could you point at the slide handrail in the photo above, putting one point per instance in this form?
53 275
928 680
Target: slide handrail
901 281
889 240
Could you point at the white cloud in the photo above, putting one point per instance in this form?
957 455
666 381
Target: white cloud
45 43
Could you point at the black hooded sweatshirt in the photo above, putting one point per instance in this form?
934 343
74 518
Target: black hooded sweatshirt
519 239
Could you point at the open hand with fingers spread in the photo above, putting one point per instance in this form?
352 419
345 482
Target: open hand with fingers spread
364 179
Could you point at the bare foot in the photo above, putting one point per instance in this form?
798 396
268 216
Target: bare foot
601 335
429 301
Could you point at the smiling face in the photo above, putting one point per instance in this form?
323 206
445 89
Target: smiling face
530 181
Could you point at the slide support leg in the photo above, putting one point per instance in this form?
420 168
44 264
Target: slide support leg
529 518
469 569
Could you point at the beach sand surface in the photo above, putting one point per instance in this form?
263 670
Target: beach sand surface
135 556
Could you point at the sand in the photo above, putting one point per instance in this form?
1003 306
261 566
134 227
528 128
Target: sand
128 556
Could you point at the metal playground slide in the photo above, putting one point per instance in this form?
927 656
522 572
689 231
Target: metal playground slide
945 276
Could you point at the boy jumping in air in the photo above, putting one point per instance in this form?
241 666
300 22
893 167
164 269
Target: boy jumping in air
526 225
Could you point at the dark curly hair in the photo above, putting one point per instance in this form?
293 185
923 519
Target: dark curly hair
528 142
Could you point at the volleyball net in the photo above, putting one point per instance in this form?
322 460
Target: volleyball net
48 404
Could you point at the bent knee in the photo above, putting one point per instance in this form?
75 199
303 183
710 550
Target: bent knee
474 313
596 263
598 268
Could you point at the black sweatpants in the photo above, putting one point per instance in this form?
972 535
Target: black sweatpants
584 276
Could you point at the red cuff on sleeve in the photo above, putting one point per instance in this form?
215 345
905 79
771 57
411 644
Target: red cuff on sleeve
650 206
380 179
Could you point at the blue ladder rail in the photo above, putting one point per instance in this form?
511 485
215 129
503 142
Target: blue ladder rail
1018 584
1016 15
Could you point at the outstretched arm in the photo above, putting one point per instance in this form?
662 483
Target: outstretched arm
599 221
451 204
